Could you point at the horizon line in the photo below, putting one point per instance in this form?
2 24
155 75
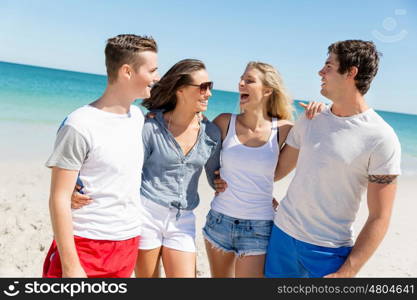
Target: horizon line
104 75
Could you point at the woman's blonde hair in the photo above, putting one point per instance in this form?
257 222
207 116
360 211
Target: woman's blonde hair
279 104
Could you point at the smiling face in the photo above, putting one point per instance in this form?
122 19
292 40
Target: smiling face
192 95
251 88
333 83
145 76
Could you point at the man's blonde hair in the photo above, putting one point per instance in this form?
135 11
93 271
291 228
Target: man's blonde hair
124 49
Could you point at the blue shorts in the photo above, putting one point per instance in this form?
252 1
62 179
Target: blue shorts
241 236
287 257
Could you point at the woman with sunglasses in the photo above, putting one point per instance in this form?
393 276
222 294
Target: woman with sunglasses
177 145
239 223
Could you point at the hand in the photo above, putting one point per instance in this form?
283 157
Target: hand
312 108
150 115
219 183
79 200
339 275
275 204
74 272
344 272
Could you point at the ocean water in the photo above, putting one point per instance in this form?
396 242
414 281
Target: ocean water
34 101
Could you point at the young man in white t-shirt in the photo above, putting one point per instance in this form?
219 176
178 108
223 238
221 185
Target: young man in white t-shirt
101 143
343 152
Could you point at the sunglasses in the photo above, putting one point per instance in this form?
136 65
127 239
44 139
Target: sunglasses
204 86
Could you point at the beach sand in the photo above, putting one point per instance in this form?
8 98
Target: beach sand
25 232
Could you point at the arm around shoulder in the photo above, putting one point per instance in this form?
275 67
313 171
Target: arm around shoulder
222 122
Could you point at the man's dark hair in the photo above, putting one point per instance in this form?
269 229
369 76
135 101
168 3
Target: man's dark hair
360 54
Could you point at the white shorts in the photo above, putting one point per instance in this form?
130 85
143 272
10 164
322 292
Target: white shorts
161 228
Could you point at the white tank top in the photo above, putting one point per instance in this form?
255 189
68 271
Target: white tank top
249 173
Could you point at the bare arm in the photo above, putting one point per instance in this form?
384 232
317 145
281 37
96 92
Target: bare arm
284 129
381 194
286 162
62 185
289 155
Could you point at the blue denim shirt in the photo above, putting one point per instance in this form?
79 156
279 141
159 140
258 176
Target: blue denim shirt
168 177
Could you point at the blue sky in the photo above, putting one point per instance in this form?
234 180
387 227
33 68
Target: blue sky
291 35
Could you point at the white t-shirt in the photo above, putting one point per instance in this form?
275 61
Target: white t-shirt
337 154
107 150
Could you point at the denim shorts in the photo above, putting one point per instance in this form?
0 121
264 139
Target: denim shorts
243 237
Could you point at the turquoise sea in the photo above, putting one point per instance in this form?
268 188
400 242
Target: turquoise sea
34 100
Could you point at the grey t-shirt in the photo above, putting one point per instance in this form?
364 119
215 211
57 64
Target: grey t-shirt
70 150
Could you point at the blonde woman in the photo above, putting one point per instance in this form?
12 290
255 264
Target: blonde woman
241 217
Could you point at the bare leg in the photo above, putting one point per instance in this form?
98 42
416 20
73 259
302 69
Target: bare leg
222 264
147 263
178 264
251 266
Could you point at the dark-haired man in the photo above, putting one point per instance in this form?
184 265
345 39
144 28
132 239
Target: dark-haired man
101 142
343 152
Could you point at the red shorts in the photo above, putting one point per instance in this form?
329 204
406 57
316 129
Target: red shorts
104 259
